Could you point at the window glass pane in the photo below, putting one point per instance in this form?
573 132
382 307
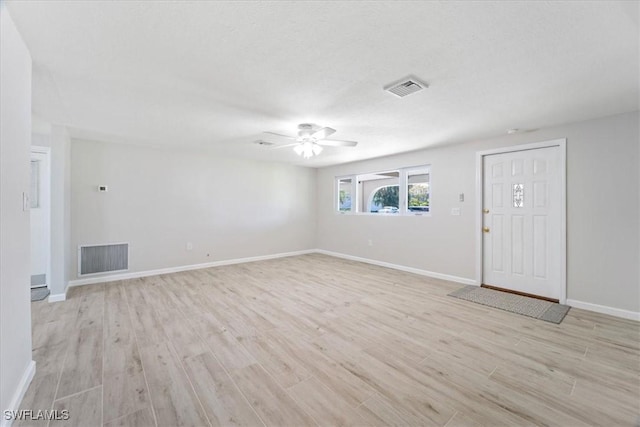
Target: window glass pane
418 191
379 192
344 195
386 199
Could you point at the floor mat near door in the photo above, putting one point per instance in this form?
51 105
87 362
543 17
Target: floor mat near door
526 306
38 294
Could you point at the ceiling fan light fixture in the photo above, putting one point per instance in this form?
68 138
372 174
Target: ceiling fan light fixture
310 140
307 149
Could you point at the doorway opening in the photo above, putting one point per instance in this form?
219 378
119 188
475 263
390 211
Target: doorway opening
521 222
40 220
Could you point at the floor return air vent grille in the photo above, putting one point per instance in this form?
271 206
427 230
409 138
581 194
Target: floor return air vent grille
94 259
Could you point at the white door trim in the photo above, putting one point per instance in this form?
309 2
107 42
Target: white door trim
562 143
47 194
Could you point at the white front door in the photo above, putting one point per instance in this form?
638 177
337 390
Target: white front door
39 208
522 222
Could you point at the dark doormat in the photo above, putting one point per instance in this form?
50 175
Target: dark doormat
38 294
526 306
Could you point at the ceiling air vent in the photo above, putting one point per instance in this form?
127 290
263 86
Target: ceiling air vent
406 87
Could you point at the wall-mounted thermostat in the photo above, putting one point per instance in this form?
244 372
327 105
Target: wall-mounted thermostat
103 188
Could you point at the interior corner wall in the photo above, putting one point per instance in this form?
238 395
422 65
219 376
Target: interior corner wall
159 201
15 141
60 211
603 211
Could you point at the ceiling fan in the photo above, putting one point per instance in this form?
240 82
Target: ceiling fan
310 140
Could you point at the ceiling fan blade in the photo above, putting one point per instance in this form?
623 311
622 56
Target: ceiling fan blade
276 147
280 135
336 143
323 133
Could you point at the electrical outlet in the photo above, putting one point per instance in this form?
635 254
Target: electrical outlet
370 242
455 211
189 246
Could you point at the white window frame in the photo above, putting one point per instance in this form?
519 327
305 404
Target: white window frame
403 209
417 170
336 195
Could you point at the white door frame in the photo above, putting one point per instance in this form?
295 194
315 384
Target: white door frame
47 194
562 143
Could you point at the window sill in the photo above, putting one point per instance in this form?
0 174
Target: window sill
383 214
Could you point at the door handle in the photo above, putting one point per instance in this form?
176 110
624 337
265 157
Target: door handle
485 211
485 229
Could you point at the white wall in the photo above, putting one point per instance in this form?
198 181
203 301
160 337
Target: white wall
16 367
603 211
158 200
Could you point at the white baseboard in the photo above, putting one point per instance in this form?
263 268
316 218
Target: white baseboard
138 274
427 273
617 312
57 297
23 385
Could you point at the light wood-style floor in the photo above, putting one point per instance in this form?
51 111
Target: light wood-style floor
316 340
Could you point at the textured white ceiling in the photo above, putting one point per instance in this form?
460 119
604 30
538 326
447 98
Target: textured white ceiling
214 75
